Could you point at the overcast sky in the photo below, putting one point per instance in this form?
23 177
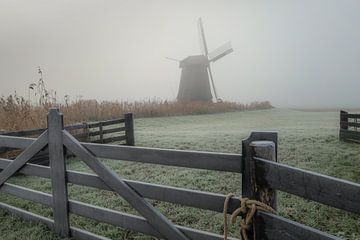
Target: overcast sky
293 53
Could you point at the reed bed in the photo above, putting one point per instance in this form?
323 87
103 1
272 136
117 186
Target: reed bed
17 113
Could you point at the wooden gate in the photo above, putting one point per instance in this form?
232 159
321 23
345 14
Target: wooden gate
349 127
261 177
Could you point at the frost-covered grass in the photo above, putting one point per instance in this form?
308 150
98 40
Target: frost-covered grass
306 139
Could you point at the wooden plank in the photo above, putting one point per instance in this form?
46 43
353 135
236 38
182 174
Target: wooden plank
350 124
106 123
58 173
351 115
105 215
107 131
15 142
111 139
273 227
28 169
349 135
75 232
154 217
185 197
27 194
134 223
23 157
129 129
76 126
24 133
331 191
180 158
38 131
113 121
94 125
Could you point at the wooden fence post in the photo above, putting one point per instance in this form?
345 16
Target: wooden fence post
265 150
129 129
262 145
58 173
343 126
101 130
343 118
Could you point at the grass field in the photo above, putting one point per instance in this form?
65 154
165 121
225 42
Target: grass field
306 139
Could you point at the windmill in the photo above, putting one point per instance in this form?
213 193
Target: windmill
196 77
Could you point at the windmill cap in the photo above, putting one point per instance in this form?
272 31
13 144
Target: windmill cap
194 60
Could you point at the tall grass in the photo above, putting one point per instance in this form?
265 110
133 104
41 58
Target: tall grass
18 113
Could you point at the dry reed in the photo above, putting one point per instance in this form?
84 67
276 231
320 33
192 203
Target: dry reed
17 113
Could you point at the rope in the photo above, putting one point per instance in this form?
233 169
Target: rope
247 211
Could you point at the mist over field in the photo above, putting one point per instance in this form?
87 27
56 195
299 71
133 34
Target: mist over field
294 54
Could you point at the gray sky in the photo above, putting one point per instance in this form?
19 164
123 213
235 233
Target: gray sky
294 53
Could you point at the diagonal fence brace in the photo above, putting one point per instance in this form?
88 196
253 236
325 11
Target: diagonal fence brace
24 157
158 221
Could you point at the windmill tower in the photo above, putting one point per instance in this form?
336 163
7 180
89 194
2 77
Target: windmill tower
196 78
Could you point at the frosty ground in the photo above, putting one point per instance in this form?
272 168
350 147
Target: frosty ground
307 139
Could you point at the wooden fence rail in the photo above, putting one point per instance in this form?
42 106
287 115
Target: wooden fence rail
349 127
114 130
262 175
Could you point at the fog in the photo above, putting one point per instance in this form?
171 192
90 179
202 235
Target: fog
293 53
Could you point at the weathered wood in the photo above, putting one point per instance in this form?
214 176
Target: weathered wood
263 144
101 134
15 142
331 191
28 169
100 214
155 218
27 194
350 124
348 135
25 133
106 123
75 232
191 159
185 197
343 119
248 171
24 157
180 158
273 227
110 139
134 223
129 129
107 131
58 173
351 115
76 126
264 150
38 131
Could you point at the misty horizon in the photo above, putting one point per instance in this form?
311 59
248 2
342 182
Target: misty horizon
294 54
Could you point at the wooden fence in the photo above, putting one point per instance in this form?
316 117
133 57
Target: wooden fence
114 130
261 177
349 127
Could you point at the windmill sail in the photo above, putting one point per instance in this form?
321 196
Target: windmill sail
203 45
212 82
220 52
